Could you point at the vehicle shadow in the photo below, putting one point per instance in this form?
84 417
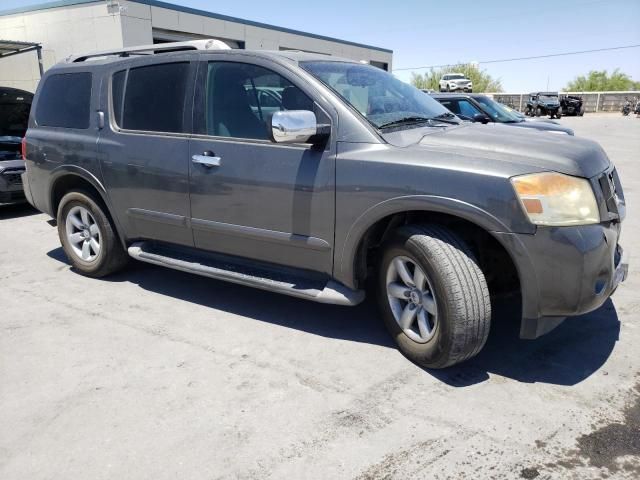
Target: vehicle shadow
566 356
17 211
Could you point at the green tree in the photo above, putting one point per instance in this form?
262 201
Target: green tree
600 80
482 81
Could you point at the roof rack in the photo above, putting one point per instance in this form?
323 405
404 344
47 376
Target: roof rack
205 44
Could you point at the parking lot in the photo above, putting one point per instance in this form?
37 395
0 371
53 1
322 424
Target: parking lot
155 373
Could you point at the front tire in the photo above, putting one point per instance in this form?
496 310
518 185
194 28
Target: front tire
433 296
88 237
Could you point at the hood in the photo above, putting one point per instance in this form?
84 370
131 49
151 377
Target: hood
546 126
529 148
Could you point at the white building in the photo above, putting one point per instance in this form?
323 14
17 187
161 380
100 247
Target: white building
67 27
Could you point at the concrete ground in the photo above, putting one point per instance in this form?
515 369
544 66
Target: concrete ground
158 374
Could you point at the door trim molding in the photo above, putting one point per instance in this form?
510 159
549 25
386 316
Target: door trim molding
283 238
160 217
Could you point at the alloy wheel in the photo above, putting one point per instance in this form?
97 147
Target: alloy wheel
83 233
411 299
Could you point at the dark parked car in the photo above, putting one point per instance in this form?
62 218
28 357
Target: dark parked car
543 103
572 105
358 179
14 116
476 107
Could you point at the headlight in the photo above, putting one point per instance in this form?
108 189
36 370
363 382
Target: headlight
555 199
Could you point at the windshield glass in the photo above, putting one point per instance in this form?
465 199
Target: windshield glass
497 111
456 77
377 95
549 98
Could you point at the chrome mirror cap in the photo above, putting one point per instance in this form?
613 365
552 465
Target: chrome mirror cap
293 126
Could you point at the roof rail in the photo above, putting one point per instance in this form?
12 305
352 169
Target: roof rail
205 44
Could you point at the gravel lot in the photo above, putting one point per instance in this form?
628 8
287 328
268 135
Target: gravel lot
158 374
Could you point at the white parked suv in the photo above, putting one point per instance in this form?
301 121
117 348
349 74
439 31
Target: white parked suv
451 82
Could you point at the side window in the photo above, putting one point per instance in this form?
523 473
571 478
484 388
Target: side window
451 105
154 98
241 98
117 92
65 101
467 109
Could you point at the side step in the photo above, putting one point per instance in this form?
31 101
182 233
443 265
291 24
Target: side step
252 275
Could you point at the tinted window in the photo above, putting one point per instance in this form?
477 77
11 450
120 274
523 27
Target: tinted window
117 90
241 98
154 98
65 101
461 107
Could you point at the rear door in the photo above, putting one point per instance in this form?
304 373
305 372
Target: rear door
144 148
264 201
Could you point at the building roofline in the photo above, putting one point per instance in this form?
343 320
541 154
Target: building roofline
194 11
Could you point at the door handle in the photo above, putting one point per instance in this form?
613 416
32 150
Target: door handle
206 160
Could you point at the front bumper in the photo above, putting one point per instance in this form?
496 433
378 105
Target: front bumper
11 190
565 271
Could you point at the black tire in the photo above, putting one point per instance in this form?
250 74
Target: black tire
558 115
112 256
448 89
538 112
458 285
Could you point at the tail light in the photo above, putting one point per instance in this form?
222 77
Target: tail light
23 148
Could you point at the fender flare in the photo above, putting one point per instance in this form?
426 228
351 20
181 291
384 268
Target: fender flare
428 203
76 171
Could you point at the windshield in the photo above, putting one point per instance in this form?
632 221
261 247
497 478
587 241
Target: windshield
456 77
497 111
549 98
377 95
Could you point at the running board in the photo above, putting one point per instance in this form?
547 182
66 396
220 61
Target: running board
222 268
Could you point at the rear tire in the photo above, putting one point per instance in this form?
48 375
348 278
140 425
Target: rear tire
87 236
455 289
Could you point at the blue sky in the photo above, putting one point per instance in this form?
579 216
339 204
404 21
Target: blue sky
425 32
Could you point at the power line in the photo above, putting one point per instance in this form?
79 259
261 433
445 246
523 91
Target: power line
524 58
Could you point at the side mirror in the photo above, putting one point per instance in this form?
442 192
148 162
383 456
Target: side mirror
481 117
293 126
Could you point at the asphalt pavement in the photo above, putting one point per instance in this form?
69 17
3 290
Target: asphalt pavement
158 374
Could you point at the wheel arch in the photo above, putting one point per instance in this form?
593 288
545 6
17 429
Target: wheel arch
69 178
373 227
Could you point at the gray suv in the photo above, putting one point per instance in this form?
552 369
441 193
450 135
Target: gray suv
345 180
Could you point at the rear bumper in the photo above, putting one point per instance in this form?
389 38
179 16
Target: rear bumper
565 271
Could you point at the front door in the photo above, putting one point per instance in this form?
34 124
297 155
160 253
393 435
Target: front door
261 200
145 149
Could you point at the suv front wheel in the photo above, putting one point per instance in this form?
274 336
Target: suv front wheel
88 237
433 296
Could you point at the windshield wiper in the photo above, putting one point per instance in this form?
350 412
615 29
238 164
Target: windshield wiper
444 117
416 119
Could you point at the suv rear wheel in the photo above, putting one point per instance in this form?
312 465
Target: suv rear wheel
433 296
87 236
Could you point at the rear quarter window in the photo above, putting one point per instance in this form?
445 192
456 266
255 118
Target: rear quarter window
65 101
